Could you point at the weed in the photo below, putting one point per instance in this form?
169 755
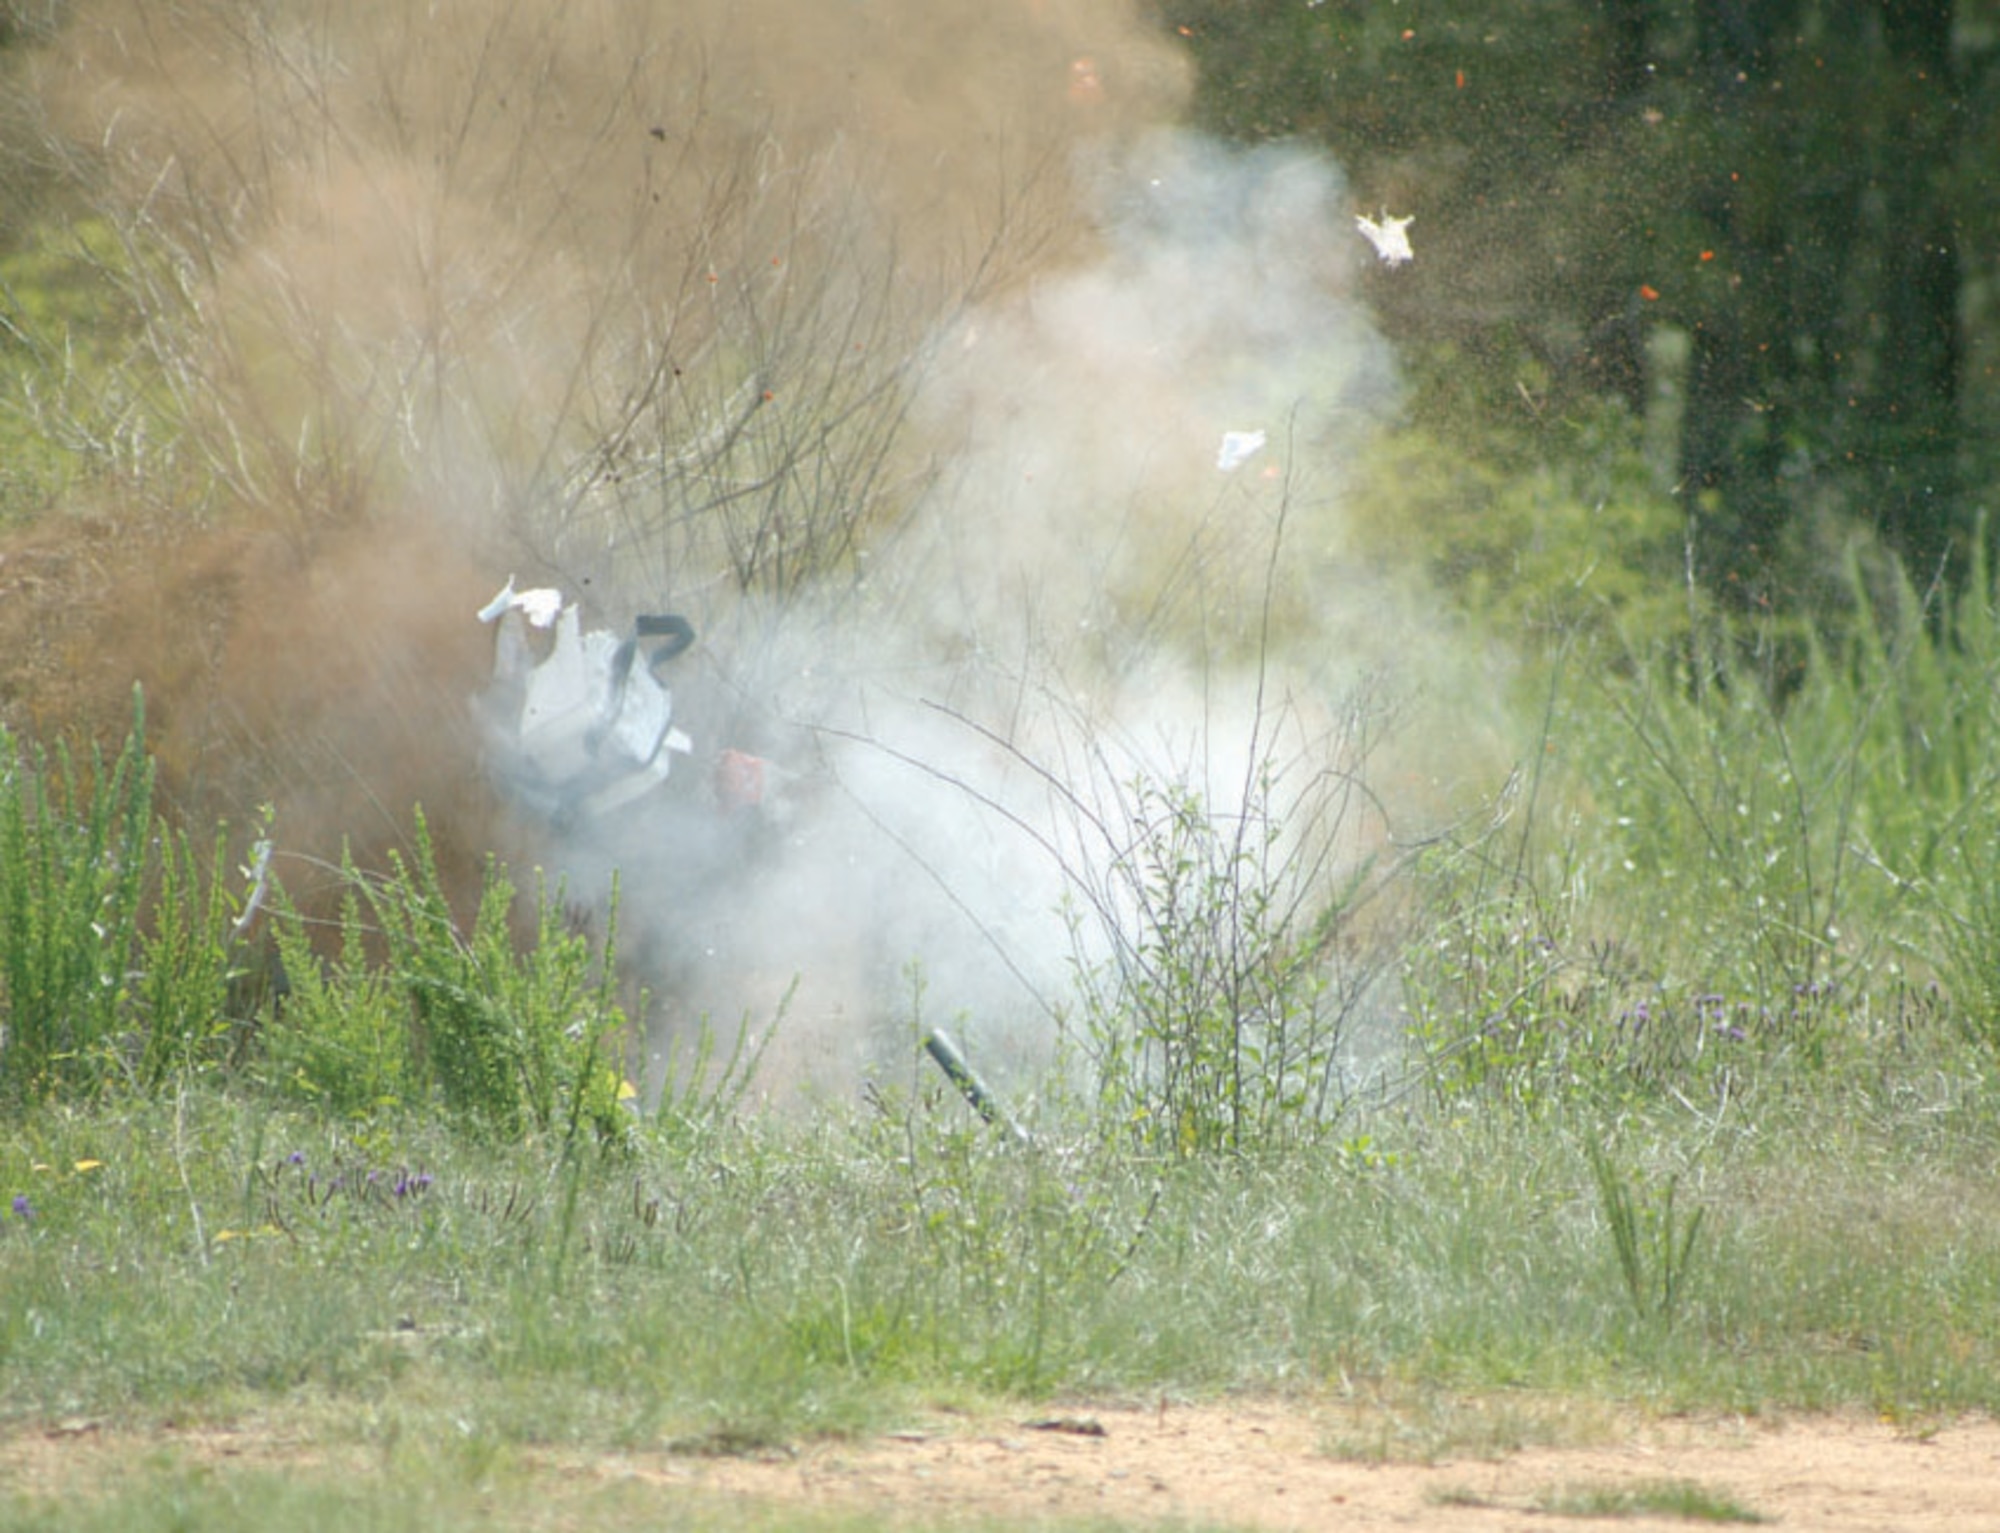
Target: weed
1215 951
1688 1500
514 1037
1423 1424
1204 1026
1655 1245
701 1091
73 854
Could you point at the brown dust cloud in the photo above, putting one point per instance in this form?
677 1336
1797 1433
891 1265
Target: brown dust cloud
896 344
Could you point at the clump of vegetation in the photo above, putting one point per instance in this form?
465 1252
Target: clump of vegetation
1688 1500
125 966
515 1036
1218 983
75 845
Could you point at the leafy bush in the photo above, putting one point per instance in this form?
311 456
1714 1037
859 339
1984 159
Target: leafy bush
1213 1025
118 943
73 855
121 949
1525 521
1217 964
512 1035
340 1041
188 957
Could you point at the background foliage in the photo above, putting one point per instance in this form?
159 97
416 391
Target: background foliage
1757 226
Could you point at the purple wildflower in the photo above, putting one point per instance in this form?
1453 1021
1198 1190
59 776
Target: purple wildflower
22 1206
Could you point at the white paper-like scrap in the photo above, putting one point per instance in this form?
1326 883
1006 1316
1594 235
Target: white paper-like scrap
539 606
1237 448
1390 237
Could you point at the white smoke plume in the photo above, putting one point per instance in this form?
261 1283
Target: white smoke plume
899 346
1079 599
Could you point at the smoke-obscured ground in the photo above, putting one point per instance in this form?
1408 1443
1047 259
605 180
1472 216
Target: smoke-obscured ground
895 345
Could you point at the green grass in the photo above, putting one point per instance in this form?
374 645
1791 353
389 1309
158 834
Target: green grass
1685 1499
768 1286
461 1483
194 1257
1415 1421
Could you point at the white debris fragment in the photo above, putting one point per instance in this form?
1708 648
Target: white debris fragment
579 723
539 606
1390 237
503 600
1237 448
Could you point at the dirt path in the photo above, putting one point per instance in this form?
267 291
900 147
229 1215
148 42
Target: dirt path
1269 1467
1264 1465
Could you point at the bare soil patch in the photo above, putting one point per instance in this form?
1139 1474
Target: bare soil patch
1273 1466
1253 1465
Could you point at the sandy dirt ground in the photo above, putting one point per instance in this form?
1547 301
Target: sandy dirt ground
1250 1465
1274 1467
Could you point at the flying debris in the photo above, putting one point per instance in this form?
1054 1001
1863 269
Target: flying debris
578 723
1390 237
1237 449
540 606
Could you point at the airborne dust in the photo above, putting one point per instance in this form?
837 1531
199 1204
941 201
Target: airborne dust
895 344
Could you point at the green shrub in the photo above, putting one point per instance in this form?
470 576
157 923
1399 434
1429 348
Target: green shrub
73 856
1216 977
188 956
512 1035
1528 514
341 1039
118 943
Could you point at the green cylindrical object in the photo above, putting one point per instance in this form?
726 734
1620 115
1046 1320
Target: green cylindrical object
945 1052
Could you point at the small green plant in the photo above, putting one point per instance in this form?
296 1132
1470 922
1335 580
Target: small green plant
119 943
1209 1025
1489 995
191 952
74 847
703 1088
1216 958
514 1034
1654 1243
1688 1500
1420 1422
512 1037
294 1194
341 1039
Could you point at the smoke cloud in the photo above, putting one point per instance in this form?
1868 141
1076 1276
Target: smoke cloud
896 344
